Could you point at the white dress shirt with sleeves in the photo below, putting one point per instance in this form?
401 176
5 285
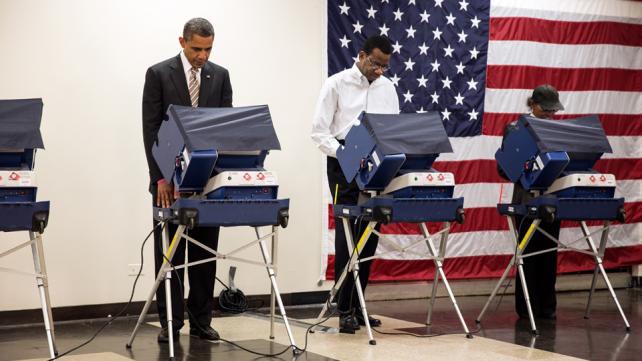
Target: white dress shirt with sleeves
343 97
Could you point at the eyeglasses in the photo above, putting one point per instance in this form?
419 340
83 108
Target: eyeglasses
374 65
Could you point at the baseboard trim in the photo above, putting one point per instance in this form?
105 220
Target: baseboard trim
85 312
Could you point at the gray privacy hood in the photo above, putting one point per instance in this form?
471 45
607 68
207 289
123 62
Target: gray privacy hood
20 124
408 133
225 129
580 135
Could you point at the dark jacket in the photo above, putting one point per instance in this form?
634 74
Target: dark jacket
165 84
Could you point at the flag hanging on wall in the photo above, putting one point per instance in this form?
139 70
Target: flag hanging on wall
476 63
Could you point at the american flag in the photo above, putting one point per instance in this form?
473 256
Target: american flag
476 62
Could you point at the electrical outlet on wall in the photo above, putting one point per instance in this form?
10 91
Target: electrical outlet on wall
132 269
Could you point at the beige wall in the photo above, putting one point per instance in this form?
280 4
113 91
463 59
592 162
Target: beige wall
87 60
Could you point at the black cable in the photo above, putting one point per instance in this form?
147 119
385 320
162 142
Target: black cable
119 314
182 290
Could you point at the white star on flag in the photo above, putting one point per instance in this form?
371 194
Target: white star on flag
344 8
450 19
384 30
459 99
398 14
357 27
371 12
423 49
449 51
473 115
409 64
446 114
435 66
422 81
407 97
344 42
396 47
411 32
446 82
435 97
472 84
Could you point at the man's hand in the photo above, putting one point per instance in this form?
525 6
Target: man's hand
165 195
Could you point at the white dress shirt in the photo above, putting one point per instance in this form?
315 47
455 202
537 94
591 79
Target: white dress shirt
343 97
186 69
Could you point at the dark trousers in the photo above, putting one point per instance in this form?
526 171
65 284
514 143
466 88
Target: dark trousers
348 193
201 277
540 271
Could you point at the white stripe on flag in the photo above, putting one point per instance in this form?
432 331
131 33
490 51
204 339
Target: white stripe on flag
563 56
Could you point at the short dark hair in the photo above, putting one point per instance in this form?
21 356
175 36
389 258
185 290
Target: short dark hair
380 42
198 26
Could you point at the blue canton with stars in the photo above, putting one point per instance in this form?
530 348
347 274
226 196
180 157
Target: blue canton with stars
439 53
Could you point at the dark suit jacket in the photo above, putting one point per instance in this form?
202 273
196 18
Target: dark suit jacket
165 84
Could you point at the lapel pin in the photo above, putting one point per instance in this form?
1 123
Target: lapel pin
207 76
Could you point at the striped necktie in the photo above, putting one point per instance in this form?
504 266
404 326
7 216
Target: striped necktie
193 87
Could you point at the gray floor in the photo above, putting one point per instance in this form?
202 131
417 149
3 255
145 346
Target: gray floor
501 335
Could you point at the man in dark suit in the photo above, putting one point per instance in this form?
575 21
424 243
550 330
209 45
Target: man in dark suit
187 79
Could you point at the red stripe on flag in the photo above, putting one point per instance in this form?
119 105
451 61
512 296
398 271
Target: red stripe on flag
622 168
565 79
613 124
471 171
565 32
488 266
485 170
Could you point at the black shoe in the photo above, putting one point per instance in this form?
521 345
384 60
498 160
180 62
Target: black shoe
205 332
348 324
374 322
163 336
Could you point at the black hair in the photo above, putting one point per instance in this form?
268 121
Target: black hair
380 42
198 26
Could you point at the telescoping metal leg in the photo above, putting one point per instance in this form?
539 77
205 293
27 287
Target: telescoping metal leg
275 288
513 259
160 276
37 251
603 240
439 270
274 253
355 270
433 292
517 258
598 260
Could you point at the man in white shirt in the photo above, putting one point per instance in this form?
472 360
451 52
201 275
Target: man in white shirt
343 97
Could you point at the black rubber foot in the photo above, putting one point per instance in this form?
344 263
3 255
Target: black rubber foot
628 329
535 332
311 331
128 345
586 317
297 351
469 335
477 322
429 324
172 359
372 342
271 337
